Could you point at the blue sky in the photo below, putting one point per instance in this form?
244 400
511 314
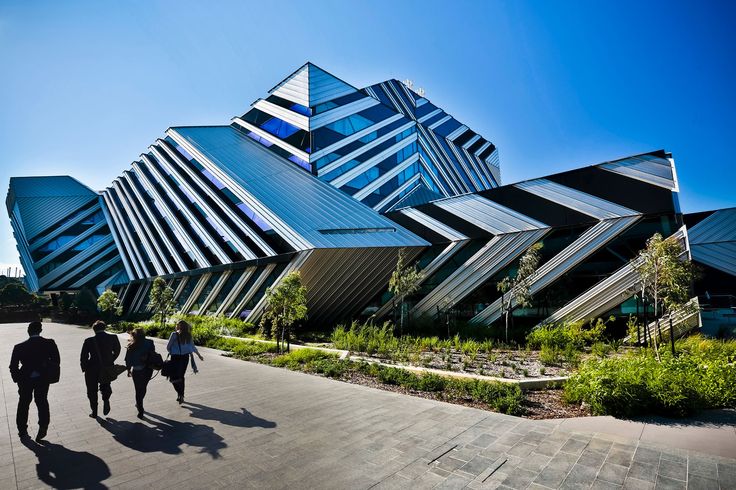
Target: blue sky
85 87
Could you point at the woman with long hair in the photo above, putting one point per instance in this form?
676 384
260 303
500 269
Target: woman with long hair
181 347
137 362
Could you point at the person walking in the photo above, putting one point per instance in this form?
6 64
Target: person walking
181 347
137 360
34 365
100 350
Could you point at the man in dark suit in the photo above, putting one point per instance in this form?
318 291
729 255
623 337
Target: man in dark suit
97 351
33 366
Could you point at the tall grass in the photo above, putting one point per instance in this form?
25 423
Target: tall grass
701 376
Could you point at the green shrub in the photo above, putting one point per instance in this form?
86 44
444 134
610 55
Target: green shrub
431 382
601 349
298 357
550 355
240 348
330 367
700 377
561 335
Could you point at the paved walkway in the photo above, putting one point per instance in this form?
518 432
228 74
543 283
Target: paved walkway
251 426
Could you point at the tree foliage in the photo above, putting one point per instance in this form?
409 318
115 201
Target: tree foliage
15 294
161 300
109 304
403 283
665 274
286 305
515 289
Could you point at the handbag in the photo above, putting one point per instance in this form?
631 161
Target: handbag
108 374
154 361
167 367
53 373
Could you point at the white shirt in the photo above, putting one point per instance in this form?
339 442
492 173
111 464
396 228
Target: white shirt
175 347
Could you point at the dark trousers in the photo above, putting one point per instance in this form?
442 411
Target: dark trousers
92 380
27 391
180 362
140 382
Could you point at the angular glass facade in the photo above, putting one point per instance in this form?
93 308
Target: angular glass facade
333 181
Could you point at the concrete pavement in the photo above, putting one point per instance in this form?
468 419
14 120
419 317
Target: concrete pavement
246 425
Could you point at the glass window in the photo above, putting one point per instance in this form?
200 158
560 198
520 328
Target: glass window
224 291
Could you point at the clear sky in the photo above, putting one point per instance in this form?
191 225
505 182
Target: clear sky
85 87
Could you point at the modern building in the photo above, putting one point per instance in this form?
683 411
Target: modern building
331 180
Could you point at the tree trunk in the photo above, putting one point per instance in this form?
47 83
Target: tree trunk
672 336
288 340
638 326
281 348
507 326
401 319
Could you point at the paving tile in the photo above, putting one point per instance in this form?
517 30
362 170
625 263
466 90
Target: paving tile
520 478
672 469
604 485
702 466
592 458
453 482
240 431
636 484
580 476
649 456
535 462
697 482
574 446
613 473
664 483
643 471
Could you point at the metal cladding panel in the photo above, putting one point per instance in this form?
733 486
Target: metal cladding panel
718 227
577 252
310 85
324 87
609 292
575 199
39 213
499 252
488 215
653 169
721 256
340 282
306 204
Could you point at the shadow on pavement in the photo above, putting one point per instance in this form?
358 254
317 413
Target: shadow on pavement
242 418
63 468
165 435
708 418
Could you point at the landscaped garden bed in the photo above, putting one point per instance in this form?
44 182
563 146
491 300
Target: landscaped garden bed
605 378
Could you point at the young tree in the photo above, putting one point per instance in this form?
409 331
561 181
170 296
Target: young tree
665 275
286 304
161 300
515 289
109 304
404 282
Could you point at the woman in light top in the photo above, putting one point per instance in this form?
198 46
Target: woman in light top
137 362
181 347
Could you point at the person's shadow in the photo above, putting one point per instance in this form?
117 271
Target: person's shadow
165 436
63 468
242 418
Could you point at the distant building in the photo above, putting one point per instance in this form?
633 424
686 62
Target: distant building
332 180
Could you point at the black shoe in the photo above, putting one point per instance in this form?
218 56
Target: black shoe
105 407
41 434
180 399
93 414
24 436
140 414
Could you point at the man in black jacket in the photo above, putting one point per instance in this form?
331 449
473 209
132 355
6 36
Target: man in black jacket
39 366
97 351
